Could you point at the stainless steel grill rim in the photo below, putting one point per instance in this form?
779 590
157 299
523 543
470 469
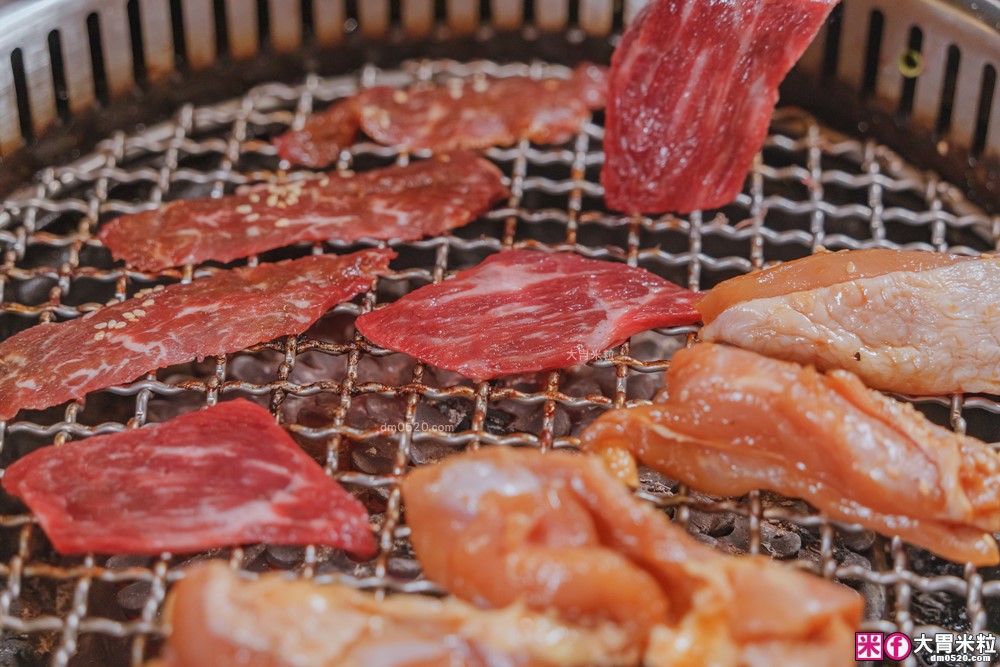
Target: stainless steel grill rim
59 58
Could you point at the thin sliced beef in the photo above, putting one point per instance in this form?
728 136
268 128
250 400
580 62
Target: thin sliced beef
424 198
473 113
224 476
483 113
323 136
522 311
55 362
693 86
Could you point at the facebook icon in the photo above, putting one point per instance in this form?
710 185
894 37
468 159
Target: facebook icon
897 646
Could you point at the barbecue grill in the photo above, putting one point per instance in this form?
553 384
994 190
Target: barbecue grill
889 137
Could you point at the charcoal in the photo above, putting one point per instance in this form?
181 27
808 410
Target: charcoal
652 345
333 561
39 597
312 367
426 453
393 370
439 377
581 418
777 539
373 411
861 540
529 418
589 381
441 416
284 557
124 562
97 650
319 409
780 542
711 524
458 411
336 328
133 597
375 457
260 368
644 386
18 650
404 568
720 545
528 382
497 422
940 607
655 482
163 408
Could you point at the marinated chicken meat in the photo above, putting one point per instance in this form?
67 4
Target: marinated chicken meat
905 321
522 311
226 312
693 85
221 620
424 198
212 478
553 531
462 114
735 421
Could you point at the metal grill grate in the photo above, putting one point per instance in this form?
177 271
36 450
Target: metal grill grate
810 188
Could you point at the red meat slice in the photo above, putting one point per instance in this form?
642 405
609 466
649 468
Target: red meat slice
523 311
464 114
51 363
219 477
424 198
693 86
483 113
321 139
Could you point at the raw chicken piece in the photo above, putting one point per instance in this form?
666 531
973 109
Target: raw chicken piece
693 86
221 620
911 322
735 421
554 531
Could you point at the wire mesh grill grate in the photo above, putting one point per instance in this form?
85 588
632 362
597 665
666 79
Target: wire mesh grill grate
370 415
